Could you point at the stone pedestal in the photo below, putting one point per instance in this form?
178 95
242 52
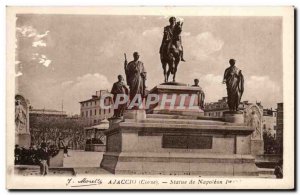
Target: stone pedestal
23 140
234 117
186 99
179 146
134 114
257 147
143 144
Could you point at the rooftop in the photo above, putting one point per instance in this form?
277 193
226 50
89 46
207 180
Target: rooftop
47 111
97 96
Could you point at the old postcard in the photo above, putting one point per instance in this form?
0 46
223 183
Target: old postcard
150 98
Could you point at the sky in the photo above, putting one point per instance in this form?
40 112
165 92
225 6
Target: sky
67 58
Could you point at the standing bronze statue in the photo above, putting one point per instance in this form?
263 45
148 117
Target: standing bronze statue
201 94
171 50
136 76
234 80
119 88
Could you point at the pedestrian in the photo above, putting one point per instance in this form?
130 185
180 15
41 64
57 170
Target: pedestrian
278 170
44 158
17 154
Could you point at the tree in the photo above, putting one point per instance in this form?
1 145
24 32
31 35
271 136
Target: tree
52 128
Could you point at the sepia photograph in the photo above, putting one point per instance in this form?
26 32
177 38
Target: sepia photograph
150 98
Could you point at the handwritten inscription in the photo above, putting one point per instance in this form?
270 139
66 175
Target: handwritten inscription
83 182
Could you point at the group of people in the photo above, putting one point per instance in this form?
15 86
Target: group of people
26 156
36 155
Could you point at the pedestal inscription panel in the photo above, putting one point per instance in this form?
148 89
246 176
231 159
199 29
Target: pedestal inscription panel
187 141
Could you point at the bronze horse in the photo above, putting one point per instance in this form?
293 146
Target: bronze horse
171 53
170 59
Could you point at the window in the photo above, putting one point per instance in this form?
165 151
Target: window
95 102
95 121
95 112
91 112
100 111
104 111
82 114
87 113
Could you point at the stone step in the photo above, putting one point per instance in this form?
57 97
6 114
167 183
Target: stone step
177 116
153 156
179 164
170 116
266 171
189 128
187 121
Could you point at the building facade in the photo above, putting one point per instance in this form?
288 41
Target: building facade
217 109
91 110
279 126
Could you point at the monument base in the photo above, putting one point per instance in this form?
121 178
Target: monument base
23 140
173 163
179 146
257 147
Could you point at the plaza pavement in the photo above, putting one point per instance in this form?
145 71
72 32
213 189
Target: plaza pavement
80 158
84 162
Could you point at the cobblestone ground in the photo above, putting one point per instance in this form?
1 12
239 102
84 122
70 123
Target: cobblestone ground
80 158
